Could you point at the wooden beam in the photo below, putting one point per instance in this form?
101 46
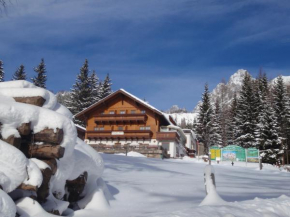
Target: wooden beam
49 136
24 129
52 163
46 151
43 190
27 187
14 141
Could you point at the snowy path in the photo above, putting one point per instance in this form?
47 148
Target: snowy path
152 187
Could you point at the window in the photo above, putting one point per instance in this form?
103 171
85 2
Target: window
122 112
99 128
112 112
102 112
143 111
133 111
120 128
145 128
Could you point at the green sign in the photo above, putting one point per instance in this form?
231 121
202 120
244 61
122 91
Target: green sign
253 155
233 153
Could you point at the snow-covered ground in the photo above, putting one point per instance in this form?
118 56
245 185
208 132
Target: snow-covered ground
175 188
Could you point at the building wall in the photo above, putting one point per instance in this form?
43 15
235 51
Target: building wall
118 104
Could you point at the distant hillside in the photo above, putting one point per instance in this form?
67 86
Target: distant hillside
187 118
224 92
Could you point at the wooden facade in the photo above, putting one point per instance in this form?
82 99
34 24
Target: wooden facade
122 119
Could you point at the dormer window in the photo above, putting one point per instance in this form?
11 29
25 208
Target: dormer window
143 111
111 112
133 111
122 112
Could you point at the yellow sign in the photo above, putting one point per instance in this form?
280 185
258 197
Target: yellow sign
215 153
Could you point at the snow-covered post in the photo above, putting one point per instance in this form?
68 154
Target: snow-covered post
260 160
246 151
209 158
209 178
212 197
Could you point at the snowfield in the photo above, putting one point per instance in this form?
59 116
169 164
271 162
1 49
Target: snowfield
175 188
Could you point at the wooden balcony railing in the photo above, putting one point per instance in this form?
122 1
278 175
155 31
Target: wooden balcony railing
120 118
126 134
167 136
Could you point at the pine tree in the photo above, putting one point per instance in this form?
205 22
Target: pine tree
205 119
2 73
40 79
81 96
269 142
20 73
245 116
230 121
194 126
282 111
94 82
216 130
106 87
224 112
261 104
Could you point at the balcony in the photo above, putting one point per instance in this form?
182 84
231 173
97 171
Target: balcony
126 134
120 118
167 136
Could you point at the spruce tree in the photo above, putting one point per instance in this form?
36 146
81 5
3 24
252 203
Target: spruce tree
106 87
270 142
40 79
282 111
230 121
81 96
216 130
95 85
101 90
245 116
205 120
2 73
20 73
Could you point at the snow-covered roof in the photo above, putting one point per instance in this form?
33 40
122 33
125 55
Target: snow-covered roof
78 115
169 118
80 127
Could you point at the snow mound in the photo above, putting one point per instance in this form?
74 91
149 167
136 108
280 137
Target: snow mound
13 114
17 84
132 154
13 165
28 207
7 206
34 177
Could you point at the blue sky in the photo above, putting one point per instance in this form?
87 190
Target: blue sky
160 50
